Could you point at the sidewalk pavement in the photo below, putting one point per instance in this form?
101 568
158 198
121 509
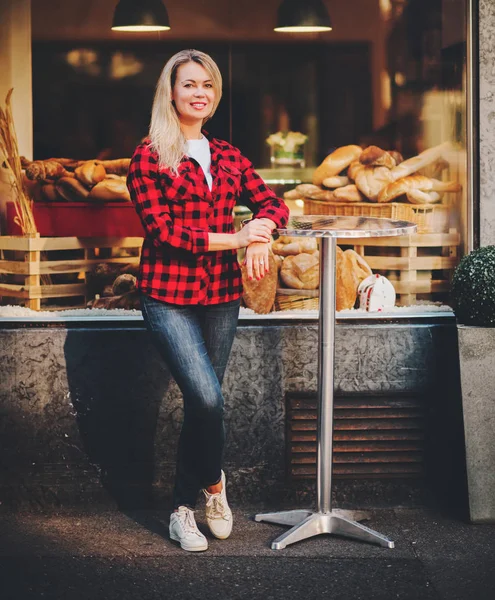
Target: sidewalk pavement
75 555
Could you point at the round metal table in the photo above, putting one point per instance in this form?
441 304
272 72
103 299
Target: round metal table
306 523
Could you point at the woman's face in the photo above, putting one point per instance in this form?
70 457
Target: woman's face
193 93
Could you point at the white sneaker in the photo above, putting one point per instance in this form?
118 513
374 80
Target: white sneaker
218 513
183 529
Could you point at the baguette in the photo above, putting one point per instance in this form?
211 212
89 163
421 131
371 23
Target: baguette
69 163
420 197
348 193
336 162
46 170
416 182
324 196
292 195
314 192
336 181
435 169
119 166
90 173
376 157
411 165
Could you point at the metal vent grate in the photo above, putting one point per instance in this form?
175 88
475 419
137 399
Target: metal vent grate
374 436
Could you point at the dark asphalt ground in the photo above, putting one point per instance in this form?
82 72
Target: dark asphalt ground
115 555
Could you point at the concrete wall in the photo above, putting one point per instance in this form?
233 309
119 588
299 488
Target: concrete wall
91 414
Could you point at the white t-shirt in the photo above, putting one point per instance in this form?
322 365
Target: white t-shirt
200 151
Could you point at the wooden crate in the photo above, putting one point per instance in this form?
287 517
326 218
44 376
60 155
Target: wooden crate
41 271
420 266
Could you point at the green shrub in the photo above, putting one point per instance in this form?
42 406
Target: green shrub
473 288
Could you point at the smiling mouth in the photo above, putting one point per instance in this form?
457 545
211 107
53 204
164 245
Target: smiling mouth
198 104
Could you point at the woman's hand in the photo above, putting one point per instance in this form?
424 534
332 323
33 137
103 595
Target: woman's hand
257 230
256 259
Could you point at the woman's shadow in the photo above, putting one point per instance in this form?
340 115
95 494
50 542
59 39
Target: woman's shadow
121 392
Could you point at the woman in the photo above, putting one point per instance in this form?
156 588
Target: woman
184 185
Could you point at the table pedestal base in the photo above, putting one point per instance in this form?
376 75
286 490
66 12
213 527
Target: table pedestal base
305 524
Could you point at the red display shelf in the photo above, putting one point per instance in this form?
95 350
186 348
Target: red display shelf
80 219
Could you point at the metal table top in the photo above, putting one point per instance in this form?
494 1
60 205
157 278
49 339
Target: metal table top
323 226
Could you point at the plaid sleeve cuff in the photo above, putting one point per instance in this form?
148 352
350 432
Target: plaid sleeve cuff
278 214
262 199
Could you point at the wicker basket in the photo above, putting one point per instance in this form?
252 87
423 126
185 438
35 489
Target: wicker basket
289 299
430 218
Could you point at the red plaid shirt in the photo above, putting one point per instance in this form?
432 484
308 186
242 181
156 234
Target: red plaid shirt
178 212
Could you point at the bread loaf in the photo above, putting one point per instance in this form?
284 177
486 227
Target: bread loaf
90 173
351 269
354 169
110 190
336 181
287 246
371 180
376 157
301 272
259 295
71 189
123 284
336 162
129 301
397 156
49 193
116 177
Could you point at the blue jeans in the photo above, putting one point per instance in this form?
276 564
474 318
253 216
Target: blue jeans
195 342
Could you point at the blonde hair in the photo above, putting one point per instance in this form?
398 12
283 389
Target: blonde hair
166 136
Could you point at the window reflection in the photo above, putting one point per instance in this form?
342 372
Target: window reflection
392 73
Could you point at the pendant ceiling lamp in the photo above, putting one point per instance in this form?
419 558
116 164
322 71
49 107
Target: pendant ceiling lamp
140 15
300 16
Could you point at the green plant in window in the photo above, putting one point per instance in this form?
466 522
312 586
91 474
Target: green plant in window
473 288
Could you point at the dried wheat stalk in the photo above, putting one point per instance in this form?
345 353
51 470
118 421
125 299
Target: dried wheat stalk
10 160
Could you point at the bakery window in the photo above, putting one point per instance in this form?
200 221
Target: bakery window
368 120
